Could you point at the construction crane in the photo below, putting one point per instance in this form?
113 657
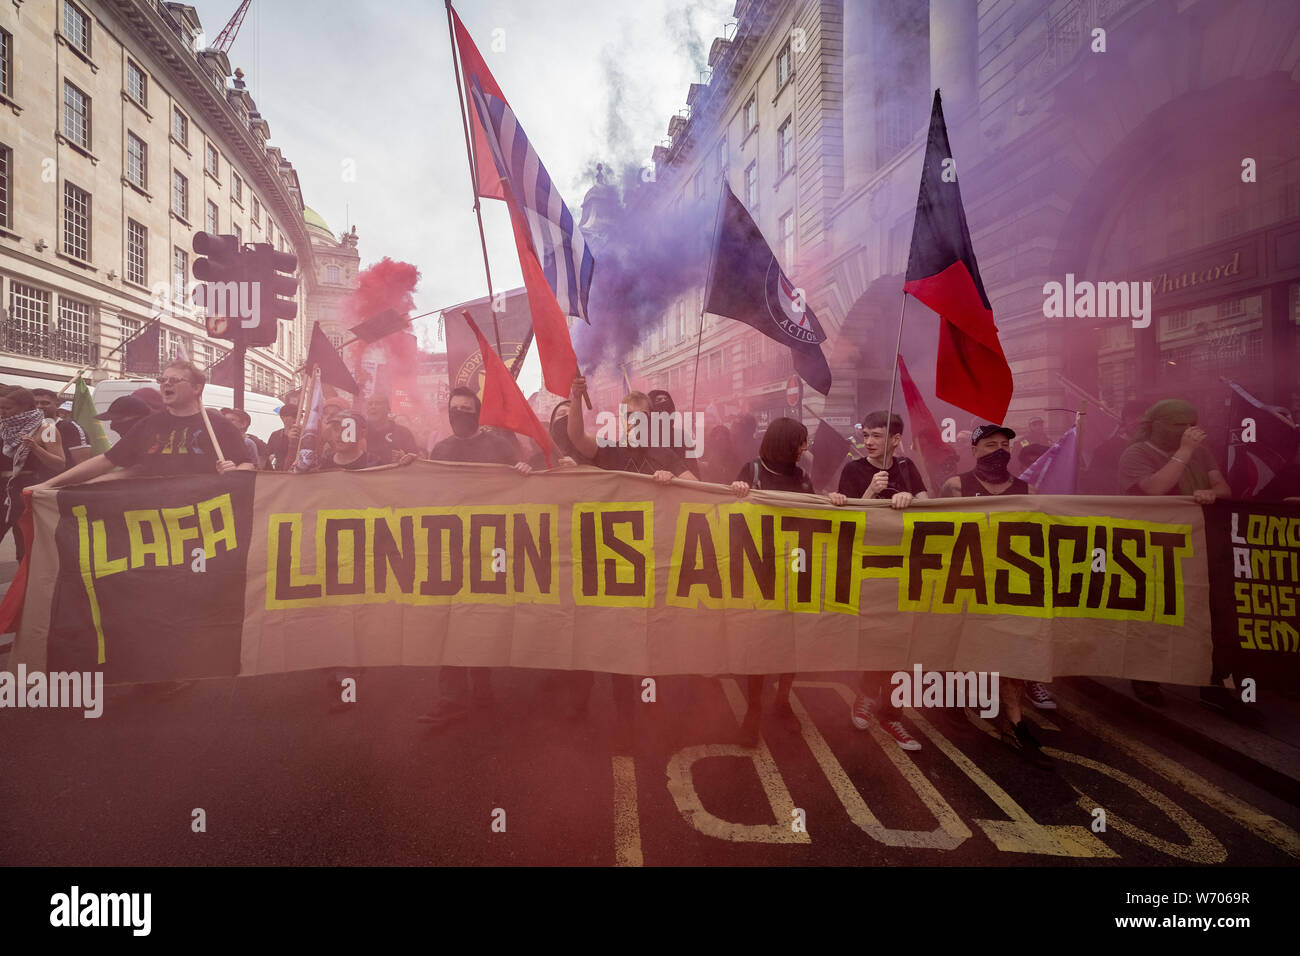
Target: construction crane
226 38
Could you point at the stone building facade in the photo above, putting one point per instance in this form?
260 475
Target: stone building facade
120 138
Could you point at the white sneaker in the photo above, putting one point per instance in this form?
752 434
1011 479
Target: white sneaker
1038 696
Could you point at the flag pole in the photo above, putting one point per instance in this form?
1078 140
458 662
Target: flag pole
304 409
893 379
1078 439
708 285
473 169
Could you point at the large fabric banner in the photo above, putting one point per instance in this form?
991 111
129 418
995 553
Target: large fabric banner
431 563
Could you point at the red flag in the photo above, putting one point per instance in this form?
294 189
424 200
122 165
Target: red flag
937 456
486 177
504 404
972 371
11 608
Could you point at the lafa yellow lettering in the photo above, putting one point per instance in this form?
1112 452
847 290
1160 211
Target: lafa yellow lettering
140 548
226 533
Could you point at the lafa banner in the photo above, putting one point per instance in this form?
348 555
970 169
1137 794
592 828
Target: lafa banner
1255 572
462 564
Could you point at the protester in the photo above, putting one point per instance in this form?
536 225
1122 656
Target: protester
659 462
242 420
775 469
1101 477
389 439
30 453
1037 434
75 444
562 451
150 395
901 483
1028 454
124 414
1168 457
469 442
280 446
661 402
171 442
991 447
719 458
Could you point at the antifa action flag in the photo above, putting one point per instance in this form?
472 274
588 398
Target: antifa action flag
1254 464
830 450
223 373
322 354
1056 471
141 353
938 460
746 283
972 371
83 413
504 404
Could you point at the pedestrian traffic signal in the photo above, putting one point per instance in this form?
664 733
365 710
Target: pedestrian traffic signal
275 292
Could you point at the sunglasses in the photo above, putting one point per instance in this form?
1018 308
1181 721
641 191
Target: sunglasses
170 380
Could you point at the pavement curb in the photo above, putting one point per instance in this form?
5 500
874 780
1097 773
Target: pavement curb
1279 784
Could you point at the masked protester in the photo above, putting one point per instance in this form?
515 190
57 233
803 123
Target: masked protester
30 452
467 443
1168 457
991 446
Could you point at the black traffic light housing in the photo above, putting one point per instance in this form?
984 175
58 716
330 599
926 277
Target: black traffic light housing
222 264
275 292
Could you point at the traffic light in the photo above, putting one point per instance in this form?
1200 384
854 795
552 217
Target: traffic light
221 274
275 292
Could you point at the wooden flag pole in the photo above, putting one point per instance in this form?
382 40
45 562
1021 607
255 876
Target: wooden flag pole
893 380
304 409
212 434
461 96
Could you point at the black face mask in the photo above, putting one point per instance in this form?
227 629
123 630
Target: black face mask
993 466
560 435
463 424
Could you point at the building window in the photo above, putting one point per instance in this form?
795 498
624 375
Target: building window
76 27
171 345
681 319
211 222
180 274
137 85
180 194
784 148
699 184
137 252
751 185
270 231
29 320
257 212
180 126
722 156
6 158
212 354
893 128
751 115
128 327
76 115
137 161
212 162
783 67
236 187
331 273
787 239
76 222
1230 308
238 233
6 63
73 339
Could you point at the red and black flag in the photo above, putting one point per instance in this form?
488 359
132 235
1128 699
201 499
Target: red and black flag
746 283
1261 447
322 354
972 371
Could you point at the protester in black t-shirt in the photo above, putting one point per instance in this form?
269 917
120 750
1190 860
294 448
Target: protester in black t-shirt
171 442
775 469
867 477
626 453
280 446
346 432
388 440
991 446
75 445
661 402
468 443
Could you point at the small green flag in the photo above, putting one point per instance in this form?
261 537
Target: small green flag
83 413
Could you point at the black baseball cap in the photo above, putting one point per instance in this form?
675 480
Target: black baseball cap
242 415
984 431
125 407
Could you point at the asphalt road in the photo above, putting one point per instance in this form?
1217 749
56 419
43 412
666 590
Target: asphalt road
283 778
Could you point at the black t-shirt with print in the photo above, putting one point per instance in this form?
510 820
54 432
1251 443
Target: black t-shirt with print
169 445
641 461
856 477
387 437
367 459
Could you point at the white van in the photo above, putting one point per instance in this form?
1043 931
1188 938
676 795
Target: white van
261 408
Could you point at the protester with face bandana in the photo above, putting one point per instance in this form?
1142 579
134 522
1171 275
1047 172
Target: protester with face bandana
468 443
991 445
30 452
1168 457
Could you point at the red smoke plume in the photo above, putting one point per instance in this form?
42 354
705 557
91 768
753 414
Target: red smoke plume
388 285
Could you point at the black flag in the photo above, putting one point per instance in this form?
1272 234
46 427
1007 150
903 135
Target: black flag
746 283
322 354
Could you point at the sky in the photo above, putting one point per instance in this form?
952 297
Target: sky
369 87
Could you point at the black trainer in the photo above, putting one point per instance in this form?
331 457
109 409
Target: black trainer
1018 738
